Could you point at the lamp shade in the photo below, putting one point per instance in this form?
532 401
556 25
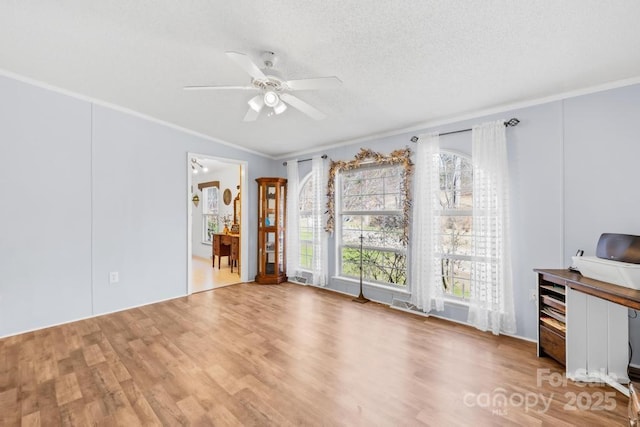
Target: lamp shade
271 99
256 103
280 108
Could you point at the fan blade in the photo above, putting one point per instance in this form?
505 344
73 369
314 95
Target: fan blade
251 115
219 88
317 83
247 64
299 104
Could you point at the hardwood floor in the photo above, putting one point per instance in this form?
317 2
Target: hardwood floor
285 355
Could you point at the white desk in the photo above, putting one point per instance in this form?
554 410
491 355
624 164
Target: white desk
597 327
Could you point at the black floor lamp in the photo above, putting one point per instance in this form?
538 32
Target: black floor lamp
360 298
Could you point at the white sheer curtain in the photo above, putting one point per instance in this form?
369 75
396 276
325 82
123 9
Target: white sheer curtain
491 303
320 261
426 282
292 237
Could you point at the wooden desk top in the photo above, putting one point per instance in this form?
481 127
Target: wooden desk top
226 237
607 291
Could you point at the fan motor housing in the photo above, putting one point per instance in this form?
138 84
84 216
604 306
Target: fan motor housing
271 83
269 59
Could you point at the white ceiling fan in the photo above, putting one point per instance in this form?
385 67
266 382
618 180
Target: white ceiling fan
274 91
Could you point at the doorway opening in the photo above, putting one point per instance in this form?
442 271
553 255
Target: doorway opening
216 238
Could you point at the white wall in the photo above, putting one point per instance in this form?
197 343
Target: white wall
602 174
602 169
45 207
78 202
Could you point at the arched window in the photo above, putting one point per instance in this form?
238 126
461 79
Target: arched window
455 219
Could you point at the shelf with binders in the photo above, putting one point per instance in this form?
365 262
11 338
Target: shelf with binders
552 312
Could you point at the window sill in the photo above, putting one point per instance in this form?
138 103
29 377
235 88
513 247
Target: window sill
373 285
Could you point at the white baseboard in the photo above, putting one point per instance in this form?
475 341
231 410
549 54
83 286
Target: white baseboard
533 340
89 317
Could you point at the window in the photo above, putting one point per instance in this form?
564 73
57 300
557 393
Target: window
455 220
371 200
209 213
305 223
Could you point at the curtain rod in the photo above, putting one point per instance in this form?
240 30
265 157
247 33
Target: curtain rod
509 123
324 156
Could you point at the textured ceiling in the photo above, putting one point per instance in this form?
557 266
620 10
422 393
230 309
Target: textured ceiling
402 63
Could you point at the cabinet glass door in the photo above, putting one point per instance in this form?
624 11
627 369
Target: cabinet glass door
271 206
270 252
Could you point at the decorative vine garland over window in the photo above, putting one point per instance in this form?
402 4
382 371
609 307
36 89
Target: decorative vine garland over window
367 156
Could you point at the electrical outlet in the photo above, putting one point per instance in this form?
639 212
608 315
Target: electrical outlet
114 277
533 294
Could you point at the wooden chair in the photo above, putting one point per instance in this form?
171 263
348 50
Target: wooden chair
220 248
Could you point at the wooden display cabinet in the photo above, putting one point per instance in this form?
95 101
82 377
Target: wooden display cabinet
272 196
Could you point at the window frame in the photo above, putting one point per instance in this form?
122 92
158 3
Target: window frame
340 212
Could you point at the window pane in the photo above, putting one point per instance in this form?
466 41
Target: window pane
372 189
357 203
382 231
454 271
210 195
392 202
377 265
306 255
305 225
455 235
209 213
461 288
305 204
209 227
351 228
456 181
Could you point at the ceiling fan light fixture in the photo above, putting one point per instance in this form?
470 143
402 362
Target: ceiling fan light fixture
273 90
271 99
280 108
256 103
